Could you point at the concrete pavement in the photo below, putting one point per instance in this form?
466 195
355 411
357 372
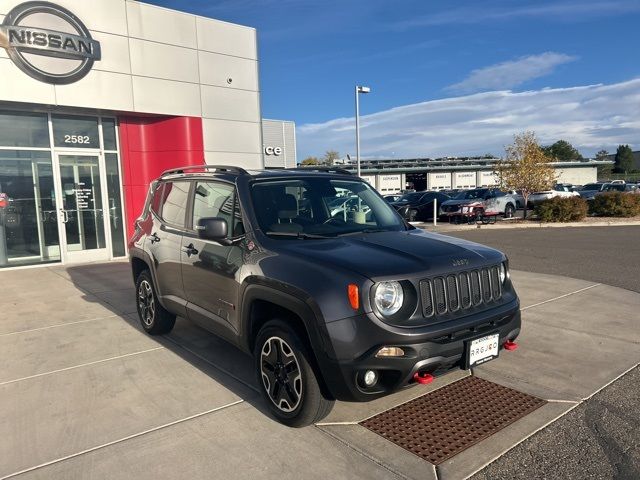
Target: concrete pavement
85 393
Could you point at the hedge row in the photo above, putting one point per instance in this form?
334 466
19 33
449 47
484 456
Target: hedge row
615 204
574 209
562 209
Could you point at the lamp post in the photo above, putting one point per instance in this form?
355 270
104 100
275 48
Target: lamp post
359 89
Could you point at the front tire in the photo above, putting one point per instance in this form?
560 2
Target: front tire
286 377
509 211
155 319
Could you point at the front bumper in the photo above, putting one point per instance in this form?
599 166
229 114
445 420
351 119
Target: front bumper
436 349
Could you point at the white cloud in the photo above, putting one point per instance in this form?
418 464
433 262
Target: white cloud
590 117
512 73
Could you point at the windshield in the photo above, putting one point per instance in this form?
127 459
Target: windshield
592 186
470 194
321 206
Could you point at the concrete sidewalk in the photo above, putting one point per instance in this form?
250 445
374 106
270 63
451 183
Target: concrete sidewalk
84 392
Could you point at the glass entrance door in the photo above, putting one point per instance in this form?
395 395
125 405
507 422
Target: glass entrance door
81 207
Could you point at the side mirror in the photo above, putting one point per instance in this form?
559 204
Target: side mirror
212 228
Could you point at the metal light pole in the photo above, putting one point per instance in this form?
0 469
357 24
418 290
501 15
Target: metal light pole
359 89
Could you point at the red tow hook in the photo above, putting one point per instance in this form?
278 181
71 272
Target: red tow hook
509 345
423 378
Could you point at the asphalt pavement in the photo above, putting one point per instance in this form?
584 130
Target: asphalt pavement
609 255
600 438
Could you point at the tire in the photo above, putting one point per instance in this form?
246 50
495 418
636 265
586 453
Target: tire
412 215
154 318
509 210
286 377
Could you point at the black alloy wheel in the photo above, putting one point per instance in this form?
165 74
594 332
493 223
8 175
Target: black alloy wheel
281 375
288 378
155 319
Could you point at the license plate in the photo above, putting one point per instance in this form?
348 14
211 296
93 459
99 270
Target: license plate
482 350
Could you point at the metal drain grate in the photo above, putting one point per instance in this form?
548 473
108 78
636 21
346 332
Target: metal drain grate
443 423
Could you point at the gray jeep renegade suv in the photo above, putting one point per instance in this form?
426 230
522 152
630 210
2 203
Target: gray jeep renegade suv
316 276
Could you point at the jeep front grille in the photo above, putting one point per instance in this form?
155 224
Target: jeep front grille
462 291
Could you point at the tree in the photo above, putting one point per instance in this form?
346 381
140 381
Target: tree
562 151
330 157
603 170
624 159
525 167
310 161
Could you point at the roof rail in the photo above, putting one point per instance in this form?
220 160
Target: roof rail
218 168
327 169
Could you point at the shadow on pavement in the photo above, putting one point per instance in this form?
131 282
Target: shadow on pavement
111 285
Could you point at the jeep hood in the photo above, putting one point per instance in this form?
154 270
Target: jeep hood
406 254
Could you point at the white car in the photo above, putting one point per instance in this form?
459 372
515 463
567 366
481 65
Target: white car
560 190
492 200
517 196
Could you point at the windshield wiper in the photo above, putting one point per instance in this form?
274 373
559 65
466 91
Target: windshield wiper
366 230
301 235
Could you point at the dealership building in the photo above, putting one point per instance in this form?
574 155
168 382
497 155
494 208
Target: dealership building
97 98
392 176
279 143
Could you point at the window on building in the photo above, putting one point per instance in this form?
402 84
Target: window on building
19 129
75 132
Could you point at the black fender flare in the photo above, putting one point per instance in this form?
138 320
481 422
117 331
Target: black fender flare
290 298
146 258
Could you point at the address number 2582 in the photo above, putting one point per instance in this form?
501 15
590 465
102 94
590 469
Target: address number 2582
77 139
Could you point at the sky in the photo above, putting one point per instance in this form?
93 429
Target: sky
447 78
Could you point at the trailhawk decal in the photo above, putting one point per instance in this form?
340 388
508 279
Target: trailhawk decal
30 34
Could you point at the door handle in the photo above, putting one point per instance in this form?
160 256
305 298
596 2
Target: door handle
153 238
190 250
65 215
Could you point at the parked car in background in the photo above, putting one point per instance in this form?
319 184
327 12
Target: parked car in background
418 206
392 198
517 196
560 190
493 201
589 190
617 187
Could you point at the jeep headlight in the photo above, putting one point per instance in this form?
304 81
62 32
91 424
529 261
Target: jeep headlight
503 273
388 298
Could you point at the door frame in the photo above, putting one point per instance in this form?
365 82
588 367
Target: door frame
81 256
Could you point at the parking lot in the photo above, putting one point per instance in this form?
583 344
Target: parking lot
84 393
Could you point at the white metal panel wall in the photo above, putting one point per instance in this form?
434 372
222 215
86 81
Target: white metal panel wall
279 134
370 179
160 61
486 179
577 176
291 156
438 181
389 183
464 180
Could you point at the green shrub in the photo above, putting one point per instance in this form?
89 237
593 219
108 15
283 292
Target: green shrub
562 209
616 204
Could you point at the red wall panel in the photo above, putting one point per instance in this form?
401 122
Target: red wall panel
148 147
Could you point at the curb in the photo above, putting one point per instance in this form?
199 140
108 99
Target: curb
505 226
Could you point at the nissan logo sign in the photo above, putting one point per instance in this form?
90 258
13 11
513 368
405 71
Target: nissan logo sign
48 42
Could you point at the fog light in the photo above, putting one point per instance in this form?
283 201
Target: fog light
370 377
390 352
